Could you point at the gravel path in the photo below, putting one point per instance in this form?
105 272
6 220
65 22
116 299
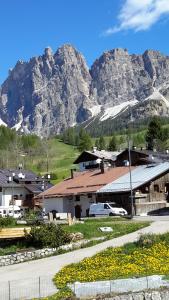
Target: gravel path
27 272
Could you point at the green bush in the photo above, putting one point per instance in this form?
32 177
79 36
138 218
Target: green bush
62 294
47 235
53 176
30 215
7 221
147 240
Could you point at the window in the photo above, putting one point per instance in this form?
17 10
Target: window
15 197
106 206
144 190
89 195
0 190
156 188
77 198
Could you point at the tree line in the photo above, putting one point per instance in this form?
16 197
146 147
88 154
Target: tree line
13 147
16 148
154 136
83 141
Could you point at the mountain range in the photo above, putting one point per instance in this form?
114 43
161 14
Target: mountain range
55 91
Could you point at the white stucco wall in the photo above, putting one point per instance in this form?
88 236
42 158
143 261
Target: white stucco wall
53 204
7 193
67 204
85 203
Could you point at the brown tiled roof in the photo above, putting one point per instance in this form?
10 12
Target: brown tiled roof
86 182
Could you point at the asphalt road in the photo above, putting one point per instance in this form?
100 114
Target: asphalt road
24 277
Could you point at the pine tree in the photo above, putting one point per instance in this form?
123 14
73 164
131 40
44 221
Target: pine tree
102 143
113 144
154 133
85 142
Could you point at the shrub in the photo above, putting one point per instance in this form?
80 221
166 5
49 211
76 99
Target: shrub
53 176
7 221
31 214
147 240
62 294
47 235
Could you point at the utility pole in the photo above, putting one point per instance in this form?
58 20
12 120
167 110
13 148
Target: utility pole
131 186
129 156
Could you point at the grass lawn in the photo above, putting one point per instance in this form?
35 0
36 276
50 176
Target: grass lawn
148 256
120 226
90 229
61 157
10 249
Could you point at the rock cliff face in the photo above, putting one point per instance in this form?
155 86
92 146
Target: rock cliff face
55 91
48 93
118 77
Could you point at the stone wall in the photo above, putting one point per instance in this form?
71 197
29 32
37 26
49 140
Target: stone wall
16 258
25 256
149 295
119 286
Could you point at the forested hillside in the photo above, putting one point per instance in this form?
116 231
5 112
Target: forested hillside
55 155
39 155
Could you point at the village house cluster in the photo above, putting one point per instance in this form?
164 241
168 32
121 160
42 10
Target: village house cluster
107 177
18 188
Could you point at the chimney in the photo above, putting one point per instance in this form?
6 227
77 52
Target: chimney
102 165
72 173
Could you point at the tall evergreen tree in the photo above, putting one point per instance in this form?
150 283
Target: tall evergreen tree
113 144
102 143
154 133
85 142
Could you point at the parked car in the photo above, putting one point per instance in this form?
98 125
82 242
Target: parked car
106 209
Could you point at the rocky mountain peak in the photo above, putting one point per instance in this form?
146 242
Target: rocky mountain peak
67 54
48 93
54 91
152 53
118 52
48 52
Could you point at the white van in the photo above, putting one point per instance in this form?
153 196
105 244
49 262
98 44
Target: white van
106 209
12 211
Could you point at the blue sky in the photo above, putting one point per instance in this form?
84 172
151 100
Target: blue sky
92 26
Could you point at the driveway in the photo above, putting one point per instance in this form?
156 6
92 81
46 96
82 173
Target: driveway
25 274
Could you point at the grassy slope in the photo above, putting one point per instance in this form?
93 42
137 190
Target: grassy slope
61 157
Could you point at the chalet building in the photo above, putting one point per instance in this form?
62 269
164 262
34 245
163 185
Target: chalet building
75 194
19 187
150 186
88 160
92 159
141 157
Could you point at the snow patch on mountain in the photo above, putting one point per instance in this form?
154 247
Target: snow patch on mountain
3 123
17 126
156 95
95 110
112 112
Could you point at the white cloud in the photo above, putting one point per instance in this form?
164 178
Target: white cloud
140 15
